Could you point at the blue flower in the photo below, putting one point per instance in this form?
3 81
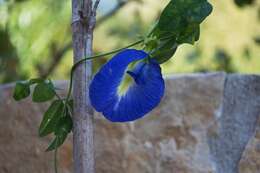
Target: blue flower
134 100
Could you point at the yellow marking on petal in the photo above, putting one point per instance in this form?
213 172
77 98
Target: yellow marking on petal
127 81
125 84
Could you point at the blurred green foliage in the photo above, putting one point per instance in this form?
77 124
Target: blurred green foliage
242 3
35 37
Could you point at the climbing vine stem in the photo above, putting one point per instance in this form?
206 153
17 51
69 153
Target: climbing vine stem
55 157
97 56
93 57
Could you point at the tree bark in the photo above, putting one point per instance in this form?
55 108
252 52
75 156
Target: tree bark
83 22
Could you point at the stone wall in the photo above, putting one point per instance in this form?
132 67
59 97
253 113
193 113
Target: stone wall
206 123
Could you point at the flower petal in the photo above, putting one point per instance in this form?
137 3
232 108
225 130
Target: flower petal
141 97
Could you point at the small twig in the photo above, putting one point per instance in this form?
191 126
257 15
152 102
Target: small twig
94 10
92 17
93 57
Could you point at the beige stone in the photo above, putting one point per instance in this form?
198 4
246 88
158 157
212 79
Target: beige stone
173 138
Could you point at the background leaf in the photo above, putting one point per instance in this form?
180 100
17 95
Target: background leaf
21 91
56 143
62 130
242 3
64 126
51 118
43 92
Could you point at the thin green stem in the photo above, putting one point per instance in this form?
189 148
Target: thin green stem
71 82
55 157
97 56
104 54
152 29
57 95
93 57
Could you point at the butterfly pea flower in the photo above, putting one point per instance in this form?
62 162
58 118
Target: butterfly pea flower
140 96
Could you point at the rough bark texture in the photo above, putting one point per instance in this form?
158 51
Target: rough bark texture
83 22
206 123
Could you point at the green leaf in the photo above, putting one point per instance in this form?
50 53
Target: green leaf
189 35
62 130
51 118
179 14
64 126
257 39
43 92
21 91
180 22
242 3
70 107
56 143
165 50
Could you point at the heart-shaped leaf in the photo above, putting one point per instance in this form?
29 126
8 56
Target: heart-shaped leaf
63 128
51 118
43 92
21 91
180 23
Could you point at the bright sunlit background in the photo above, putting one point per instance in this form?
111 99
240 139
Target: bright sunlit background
35 37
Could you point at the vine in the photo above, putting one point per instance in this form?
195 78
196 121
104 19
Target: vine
178 24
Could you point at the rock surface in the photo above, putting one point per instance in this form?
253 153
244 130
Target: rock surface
206 123
237 122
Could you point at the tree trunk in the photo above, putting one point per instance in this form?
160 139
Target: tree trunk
83 22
